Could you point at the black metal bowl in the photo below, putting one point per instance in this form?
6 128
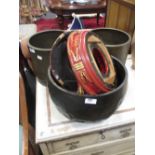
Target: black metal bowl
59 61
40 45
116 41
87 107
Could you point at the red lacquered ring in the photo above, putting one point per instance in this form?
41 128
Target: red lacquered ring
77 65
88 65
94 70
103 79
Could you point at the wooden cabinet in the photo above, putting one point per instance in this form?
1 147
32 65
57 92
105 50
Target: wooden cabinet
58 135
121 15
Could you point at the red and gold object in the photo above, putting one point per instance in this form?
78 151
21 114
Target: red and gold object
73 45
91 62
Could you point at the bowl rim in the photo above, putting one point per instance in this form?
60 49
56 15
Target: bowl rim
118 30
86 95
39 33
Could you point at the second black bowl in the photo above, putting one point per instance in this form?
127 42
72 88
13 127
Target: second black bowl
116 41
40 45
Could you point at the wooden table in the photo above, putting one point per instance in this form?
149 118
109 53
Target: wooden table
62 9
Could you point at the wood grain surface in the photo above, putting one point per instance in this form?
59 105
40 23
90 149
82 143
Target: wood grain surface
121 15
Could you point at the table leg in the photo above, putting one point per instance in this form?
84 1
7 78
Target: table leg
44 149
61 21
98 15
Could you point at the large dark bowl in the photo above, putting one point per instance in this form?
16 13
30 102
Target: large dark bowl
40 45
87 107
117 42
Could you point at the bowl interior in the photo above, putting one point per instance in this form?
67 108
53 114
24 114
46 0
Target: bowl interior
112 36
70 86
45 39
60 65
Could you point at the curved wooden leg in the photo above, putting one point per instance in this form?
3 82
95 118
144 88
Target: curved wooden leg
98 15
61 21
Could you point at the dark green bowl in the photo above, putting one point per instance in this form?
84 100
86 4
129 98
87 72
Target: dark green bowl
117 42
40 45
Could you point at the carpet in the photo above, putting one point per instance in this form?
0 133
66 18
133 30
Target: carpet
88 23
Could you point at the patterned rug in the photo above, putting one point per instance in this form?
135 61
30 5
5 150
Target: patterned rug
90 23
